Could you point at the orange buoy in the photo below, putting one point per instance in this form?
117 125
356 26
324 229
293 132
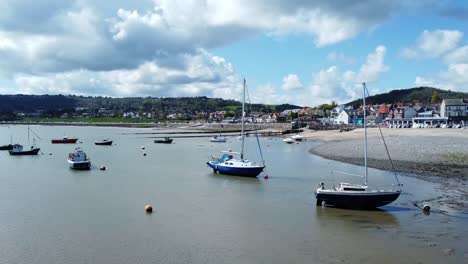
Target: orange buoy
149 208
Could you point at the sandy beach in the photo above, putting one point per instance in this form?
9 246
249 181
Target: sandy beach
437 151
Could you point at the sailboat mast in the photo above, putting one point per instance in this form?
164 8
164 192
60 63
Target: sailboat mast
365 132
242 121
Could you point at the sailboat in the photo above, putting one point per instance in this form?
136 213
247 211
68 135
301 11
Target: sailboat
234 163
356 196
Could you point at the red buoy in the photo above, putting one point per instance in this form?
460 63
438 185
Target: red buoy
265 177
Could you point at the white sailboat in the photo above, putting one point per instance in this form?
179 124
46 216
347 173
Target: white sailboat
356 196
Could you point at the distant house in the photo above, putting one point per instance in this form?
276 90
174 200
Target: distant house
409 112
382 113
343 117
454 109
337 110
349 117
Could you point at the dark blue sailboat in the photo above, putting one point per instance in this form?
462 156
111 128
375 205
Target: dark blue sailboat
231 165
356 196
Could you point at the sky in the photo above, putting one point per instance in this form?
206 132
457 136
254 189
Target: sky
303 52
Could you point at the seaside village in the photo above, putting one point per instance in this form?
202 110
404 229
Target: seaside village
447 114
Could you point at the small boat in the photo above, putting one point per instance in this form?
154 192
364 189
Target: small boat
165 140
6 147
64 140
78 160
356 196
297 137
104 142
288 140
219 138
17 149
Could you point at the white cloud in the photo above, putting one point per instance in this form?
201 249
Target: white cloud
432 44
459 55
332 84
157 47
205 75
455 76
374 66
291 82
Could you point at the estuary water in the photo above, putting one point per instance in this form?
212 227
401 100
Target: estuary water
51 214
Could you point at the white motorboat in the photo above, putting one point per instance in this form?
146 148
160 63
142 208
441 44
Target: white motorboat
218 138
297 137
78 160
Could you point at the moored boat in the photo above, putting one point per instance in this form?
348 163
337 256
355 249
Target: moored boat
297 137
64 140
78 160
288 140
104 142
18 150
227 164
165 140
219 138
239 166
357 196
6 147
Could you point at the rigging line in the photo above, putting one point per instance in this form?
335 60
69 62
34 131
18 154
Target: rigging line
386 148
255 127
35 134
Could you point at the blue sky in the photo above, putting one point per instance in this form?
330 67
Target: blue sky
301 52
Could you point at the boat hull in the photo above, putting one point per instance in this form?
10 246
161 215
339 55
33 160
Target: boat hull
237 171
64 141
86 165
25 152
365 200
104 143
6 147
163 141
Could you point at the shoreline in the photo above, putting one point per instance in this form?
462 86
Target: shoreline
426 152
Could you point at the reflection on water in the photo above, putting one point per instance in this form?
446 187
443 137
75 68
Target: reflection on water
363 219
51 214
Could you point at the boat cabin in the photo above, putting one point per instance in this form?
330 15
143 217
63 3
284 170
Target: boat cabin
78 155
351 187
17 148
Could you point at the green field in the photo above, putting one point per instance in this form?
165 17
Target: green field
97 120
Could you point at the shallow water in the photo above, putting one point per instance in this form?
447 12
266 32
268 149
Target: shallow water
51 214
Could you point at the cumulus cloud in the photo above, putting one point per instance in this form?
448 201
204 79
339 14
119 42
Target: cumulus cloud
333 84
431 44
291 82
50 44
455 58
204 74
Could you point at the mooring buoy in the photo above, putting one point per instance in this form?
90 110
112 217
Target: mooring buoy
149 208
426 208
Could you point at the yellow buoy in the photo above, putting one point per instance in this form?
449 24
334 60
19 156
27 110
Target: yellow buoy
149 208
